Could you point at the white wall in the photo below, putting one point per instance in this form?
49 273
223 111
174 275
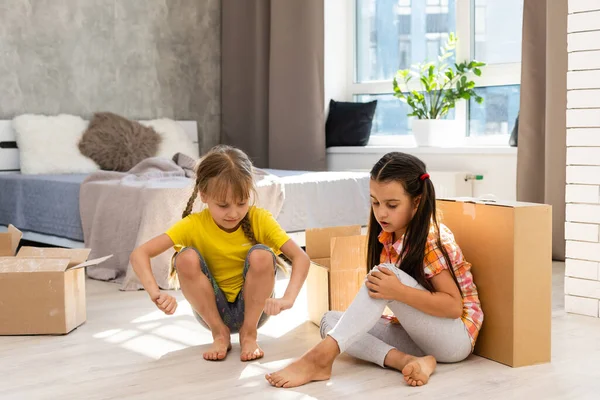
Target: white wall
582 230
337 50
497 165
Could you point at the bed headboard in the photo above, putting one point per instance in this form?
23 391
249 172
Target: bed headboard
9 153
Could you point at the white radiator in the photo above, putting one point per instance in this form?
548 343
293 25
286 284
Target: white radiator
453 183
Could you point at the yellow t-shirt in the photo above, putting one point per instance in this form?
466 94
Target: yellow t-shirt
225 253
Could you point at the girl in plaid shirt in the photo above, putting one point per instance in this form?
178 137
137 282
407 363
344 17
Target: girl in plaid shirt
418 271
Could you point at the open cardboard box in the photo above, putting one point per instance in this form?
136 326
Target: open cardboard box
337 270
509 245
42 290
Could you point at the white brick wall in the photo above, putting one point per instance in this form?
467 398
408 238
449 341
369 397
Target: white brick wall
581 232
583 60
582 269
577 6
583 136
583 194
582 226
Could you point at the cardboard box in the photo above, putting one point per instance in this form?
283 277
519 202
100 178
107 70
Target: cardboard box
318 240
348 270
42 290
317 286
509 245
337 269
9 241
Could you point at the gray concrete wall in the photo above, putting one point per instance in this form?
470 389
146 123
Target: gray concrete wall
139 58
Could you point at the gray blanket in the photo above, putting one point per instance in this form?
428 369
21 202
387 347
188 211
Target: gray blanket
120 211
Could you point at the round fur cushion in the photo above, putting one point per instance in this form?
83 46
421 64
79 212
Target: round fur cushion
116 143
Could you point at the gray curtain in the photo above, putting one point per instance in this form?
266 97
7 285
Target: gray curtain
272 90
541 172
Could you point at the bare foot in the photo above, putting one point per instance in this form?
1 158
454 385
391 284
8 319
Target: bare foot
221 345
315 365
250 349
418 370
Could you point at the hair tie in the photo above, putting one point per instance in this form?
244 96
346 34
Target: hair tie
424 176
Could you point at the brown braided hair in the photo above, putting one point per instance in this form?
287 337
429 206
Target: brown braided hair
224 169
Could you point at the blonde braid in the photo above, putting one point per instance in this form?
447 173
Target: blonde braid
249 232
247 228
190 203
172 276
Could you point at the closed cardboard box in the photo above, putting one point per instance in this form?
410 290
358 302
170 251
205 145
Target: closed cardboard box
42 290
509 245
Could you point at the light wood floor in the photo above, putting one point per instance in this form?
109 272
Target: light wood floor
128 350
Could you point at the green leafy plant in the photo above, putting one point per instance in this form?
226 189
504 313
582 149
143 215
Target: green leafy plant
443 85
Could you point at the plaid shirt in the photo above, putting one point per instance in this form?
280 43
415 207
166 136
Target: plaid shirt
434 263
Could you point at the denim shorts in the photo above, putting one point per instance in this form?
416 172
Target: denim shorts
231 313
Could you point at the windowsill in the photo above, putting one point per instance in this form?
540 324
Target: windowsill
377 149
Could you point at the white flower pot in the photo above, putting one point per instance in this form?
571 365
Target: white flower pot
437 132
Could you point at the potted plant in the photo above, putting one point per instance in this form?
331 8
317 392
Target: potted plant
442 86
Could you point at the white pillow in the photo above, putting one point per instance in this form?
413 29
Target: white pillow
49 144
174 139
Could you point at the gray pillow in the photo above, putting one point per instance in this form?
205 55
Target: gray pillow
116 143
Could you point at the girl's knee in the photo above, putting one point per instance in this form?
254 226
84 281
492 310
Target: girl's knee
404 277
187 263
451 357
329 320
261 260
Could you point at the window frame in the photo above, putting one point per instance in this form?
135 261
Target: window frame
493 75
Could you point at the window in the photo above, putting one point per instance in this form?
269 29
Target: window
394 34
391 114
497 114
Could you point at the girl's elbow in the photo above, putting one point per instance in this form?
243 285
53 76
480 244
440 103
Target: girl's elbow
457 310
300 257
134 256
305 258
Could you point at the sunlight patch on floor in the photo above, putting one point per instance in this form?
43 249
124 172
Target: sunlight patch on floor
155 334
150 317
273 366
254 369
152 346
251 384
105 334
287 320
121 336
181 335
149 326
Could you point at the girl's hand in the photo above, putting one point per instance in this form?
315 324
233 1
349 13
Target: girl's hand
384 284
275 306
164 302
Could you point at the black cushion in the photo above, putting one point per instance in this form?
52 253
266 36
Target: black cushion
349 124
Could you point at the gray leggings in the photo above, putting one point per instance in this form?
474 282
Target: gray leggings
362 332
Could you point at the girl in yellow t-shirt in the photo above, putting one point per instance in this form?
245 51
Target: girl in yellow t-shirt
226 256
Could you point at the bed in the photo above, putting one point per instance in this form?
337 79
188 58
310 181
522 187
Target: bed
47 207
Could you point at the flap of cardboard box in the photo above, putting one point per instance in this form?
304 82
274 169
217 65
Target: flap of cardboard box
43 264
15 264
491 202
318 240
89 263
76 256
322 262
9 241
